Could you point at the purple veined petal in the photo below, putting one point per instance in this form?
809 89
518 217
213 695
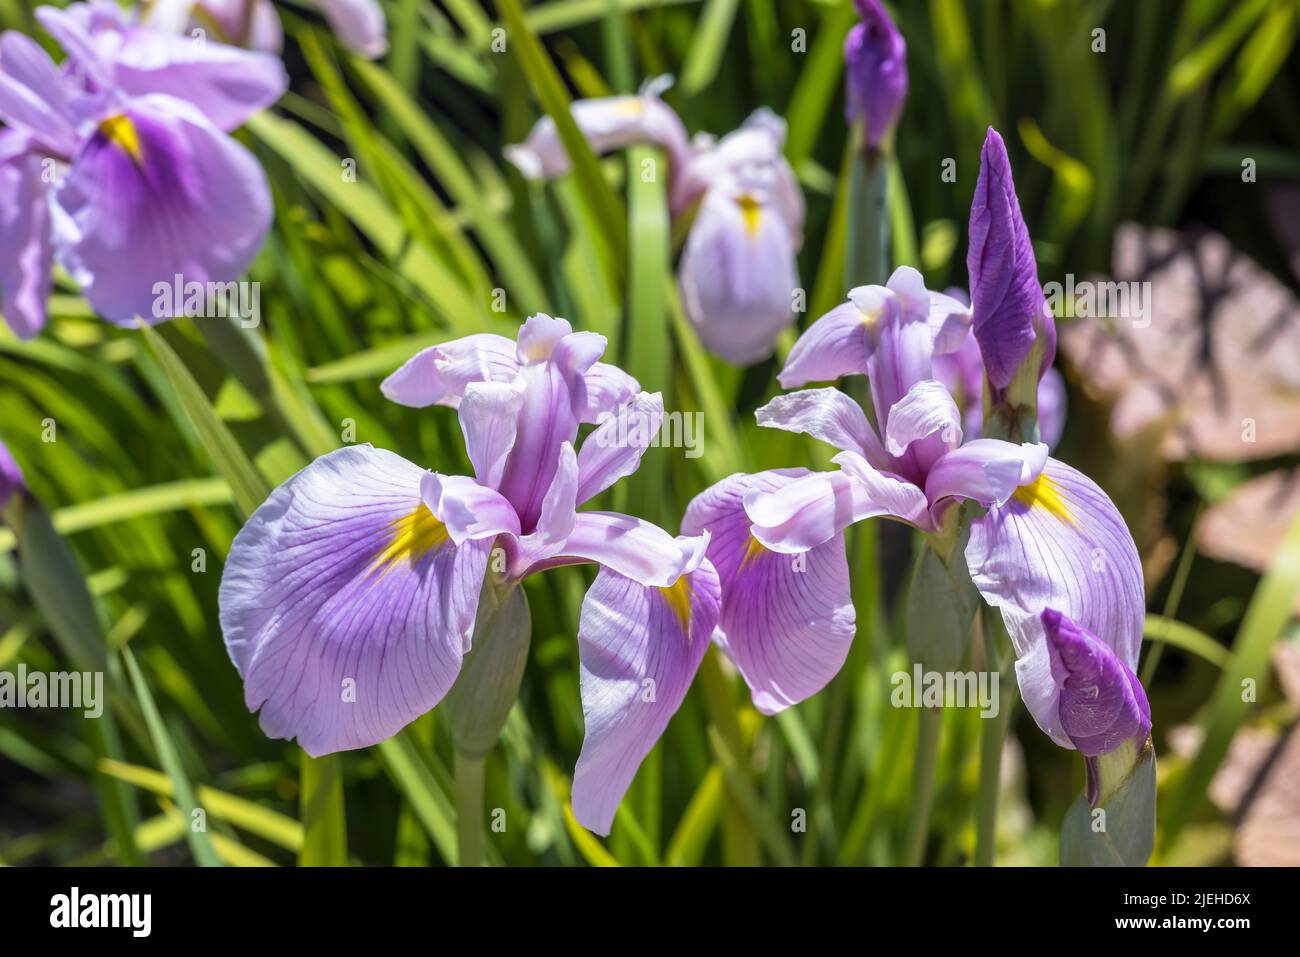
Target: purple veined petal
1051 407
1058 542
817 507
439 374
950 321
360 24
469 511
26 253
345 606
608 388
1102 703
902 342
639 648
558 513
489 415
11 477
156 193
1006 298
825 414
738 274
835 345
554 397
987 471
538 337
927 411
787 620
33 93
65 27
608 123
633 548
614 448
225 83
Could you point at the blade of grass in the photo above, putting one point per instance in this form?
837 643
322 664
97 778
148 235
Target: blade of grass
200 844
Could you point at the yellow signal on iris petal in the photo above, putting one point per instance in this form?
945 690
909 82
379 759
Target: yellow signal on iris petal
753 551
121 132
1044 493
678 596
752 213
413 537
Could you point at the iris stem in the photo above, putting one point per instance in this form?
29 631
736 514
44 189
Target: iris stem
997 658
867 252
927 754
469 809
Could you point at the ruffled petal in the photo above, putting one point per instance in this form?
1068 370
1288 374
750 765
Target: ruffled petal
468 510
614 448
489 416
345 606
1058 543
927 410
439 374
987 471
825 414
634 548
813 509
835 345
787 620
225 83
639 649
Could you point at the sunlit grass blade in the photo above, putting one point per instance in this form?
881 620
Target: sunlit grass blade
247 815
246 484
324 824
428 800
708 45
196 834
549 90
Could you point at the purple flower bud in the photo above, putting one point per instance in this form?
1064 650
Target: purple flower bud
1102 702
875 57
1007 301
11 477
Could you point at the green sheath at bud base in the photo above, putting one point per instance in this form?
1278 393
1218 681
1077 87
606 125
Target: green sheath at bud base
480 701
1119 829
941 606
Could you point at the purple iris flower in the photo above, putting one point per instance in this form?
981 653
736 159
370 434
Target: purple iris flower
738 271
359 24
875 61
1009 308
11 477
365 569
117 165
962 372
1049 538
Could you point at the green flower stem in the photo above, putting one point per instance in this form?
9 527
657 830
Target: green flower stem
469 810
927 753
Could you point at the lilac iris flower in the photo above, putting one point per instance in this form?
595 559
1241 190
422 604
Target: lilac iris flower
1048 537
738 272
359 24
1011 317
364 567
117 165
875 66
